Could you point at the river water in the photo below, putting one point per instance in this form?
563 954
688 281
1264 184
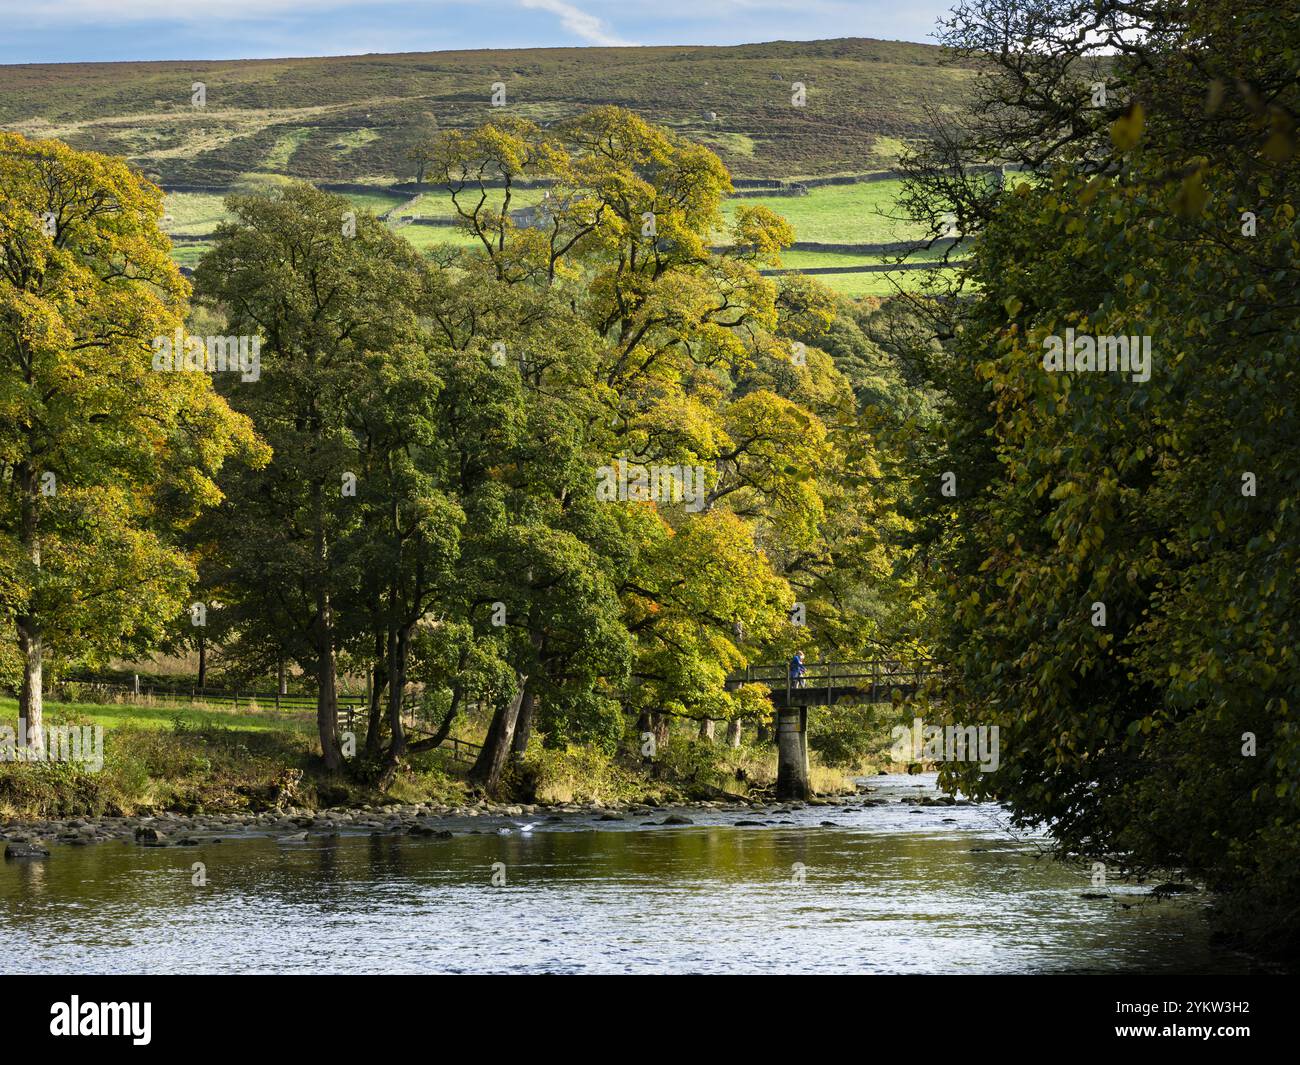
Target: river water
894 888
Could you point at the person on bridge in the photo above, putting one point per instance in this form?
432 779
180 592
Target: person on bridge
797 670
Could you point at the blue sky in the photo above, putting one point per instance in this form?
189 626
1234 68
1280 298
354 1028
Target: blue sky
59 31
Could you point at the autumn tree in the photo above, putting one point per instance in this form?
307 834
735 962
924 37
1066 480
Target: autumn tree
1117 550
104 460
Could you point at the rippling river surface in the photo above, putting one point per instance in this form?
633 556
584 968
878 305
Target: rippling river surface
887 889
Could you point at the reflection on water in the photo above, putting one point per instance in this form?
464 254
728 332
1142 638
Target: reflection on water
886 889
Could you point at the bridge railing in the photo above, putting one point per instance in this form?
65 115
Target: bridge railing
873 675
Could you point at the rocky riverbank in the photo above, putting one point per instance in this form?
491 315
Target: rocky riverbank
33 838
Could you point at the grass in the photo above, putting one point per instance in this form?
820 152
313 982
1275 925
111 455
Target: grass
864 213
199 213
876 283
200 758
165 715
857 286
286 144
437 204
187 759
192 213
355 139
189 254
378 202
829 214
425 237
193 758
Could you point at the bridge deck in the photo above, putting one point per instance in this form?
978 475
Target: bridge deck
826 683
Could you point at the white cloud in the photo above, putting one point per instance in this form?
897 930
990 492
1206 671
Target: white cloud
578 22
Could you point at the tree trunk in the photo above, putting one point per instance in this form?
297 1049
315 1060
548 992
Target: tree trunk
203 660
327 723
327 707
31 703
500 738
706 729
734 729
375 705
281 680
661 730
524 726
398 643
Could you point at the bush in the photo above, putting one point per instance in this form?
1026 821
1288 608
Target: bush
574 774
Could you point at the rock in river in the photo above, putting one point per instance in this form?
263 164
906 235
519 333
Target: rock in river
25 850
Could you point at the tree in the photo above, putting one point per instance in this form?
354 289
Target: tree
1117 566
672 355
332 294
104 462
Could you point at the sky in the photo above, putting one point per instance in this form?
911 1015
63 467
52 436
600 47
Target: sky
78 31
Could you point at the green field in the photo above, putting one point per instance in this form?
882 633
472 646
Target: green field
189 254
199 213
864 213
437 204
876 283
856 286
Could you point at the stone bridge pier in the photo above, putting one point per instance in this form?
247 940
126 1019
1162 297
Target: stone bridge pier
792 777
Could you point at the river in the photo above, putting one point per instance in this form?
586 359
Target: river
892 888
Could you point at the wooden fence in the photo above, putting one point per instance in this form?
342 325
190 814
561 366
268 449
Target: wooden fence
156 691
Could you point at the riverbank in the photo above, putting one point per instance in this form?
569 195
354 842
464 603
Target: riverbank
25 838
201 763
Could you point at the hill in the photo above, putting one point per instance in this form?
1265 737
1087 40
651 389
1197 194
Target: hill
354 118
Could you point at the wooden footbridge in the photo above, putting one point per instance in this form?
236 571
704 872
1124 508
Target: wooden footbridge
825 684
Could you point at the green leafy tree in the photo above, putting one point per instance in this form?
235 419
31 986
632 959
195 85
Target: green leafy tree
332 295
104 461
1117 566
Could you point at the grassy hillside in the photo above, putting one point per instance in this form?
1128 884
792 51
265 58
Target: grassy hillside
354 118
